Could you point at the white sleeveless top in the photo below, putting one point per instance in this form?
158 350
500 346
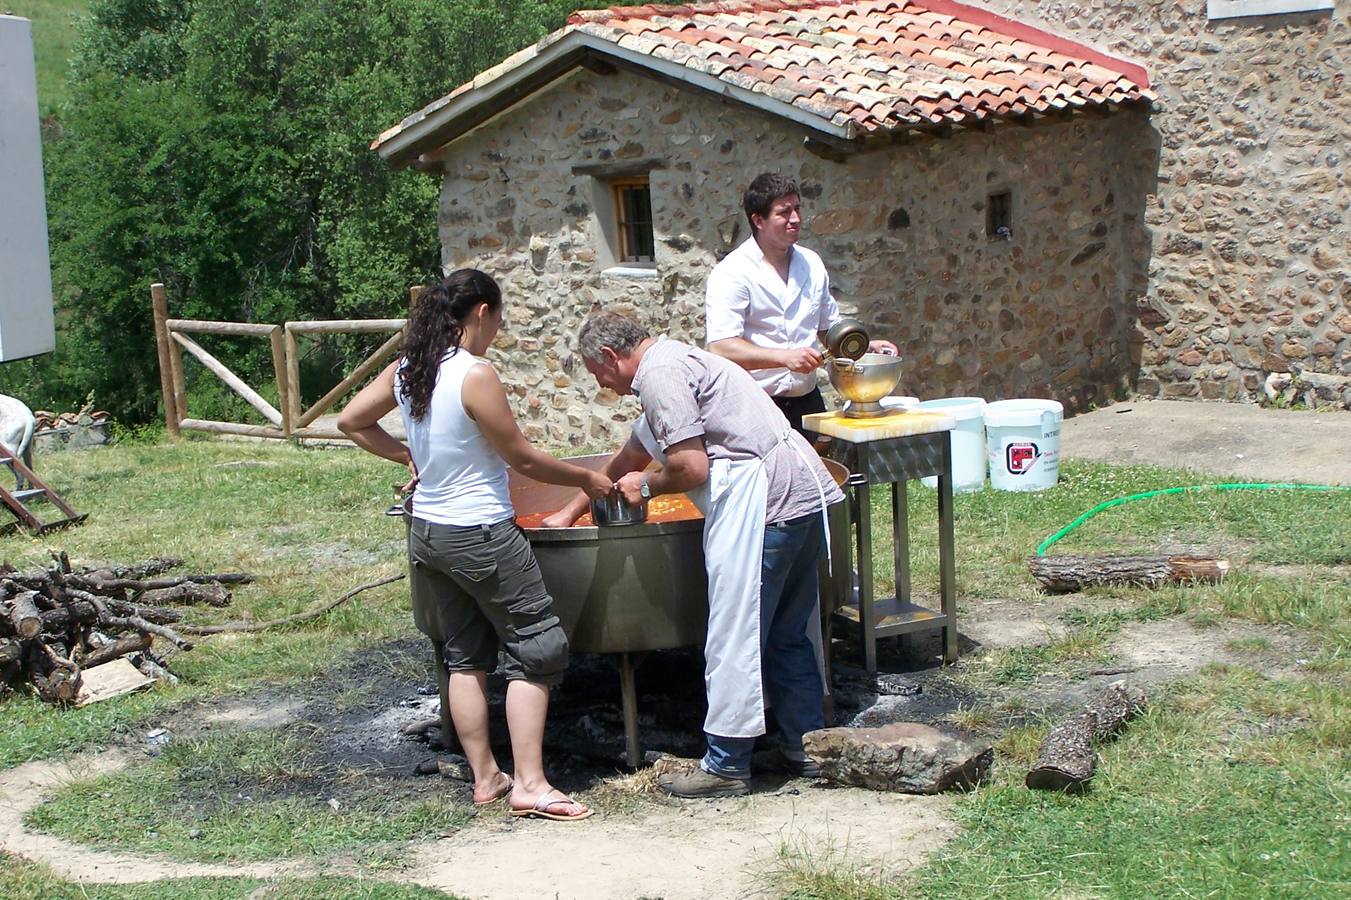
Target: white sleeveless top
461 478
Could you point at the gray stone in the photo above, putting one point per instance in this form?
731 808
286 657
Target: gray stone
906 757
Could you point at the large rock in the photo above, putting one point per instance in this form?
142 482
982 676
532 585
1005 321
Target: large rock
906 757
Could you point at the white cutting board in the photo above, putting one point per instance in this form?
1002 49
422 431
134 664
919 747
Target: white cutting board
898 424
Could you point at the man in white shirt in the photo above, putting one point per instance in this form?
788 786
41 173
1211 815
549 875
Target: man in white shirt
768 301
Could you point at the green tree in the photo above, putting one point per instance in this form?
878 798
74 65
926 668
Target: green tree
222 147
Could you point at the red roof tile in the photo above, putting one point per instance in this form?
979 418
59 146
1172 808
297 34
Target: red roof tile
867 66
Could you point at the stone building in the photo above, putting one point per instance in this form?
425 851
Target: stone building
984 192
1250 238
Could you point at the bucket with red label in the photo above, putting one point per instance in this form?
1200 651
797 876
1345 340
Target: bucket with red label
1022 438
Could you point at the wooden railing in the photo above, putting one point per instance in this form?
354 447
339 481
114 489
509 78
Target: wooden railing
292 420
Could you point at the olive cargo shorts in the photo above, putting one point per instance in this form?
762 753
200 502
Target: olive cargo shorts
477 588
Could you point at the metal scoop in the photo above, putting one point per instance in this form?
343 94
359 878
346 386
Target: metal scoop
846 339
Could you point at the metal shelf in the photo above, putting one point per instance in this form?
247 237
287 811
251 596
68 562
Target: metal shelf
894 461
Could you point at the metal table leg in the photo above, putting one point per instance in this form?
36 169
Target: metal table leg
900 539
629 697
947 562
866 611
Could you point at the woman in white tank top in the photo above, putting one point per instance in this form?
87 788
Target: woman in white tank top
474 580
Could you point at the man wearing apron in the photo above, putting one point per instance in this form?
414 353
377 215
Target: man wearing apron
764 493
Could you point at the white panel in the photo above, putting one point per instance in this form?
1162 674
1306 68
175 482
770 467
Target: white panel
1232 9
26 322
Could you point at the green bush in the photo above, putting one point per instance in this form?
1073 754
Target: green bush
222 147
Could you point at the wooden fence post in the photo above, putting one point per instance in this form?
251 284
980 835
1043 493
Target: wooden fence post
292 398
282 374
160 306
414 294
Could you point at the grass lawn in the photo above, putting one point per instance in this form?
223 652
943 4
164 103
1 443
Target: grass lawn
308 523
1234 783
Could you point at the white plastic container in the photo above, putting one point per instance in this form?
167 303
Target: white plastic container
1023 437
968 441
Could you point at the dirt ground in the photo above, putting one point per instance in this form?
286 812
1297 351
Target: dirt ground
644 845
640 844
1220 438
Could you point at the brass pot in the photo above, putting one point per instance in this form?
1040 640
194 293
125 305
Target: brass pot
867 379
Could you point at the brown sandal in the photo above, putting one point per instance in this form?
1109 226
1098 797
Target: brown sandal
542 804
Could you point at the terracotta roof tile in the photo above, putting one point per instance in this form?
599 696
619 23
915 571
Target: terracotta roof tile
869 66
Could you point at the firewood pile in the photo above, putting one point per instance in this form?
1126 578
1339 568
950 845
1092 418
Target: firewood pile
60 622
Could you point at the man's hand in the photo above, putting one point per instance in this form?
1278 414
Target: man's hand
886 347
630 486
598 486
802 359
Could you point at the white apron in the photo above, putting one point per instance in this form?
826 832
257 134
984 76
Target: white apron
734 543
733 502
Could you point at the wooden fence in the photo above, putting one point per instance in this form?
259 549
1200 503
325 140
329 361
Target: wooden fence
292 420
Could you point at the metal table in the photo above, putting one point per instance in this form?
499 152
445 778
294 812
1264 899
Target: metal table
893 461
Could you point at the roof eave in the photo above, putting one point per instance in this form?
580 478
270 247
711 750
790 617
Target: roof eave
481 103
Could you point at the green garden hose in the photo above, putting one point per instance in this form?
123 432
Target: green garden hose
1239 486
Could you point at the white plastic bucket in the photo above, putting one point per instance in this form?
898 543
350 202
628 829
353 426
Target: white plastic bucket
968 441
1023 437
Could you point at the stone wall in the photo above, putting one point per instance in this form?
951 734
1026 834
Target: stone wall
1047 313
1250 233
902 231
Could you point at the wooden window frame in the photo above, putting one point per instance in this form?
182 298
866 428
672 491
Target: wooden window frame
627 254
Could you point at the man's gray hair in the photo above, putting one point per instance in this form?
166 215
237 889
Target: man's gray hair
609 329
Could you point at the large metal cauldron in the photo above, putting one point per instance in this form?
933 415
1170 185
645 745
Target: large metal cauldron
632 588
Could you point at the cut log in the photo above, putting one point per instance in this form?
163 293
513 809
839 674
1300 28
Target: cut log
1060 574
130 643
60 686
1066 759
133 584
156 565
154 614
130 622
77 612
58 621
420 726
24 616
187 594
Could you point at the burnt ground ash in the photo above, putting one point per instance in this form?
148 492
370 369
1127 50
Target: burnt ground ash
394 686
351 722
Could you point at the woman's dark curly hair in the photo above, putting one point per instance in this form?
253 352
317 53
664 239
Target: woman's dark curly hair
437 326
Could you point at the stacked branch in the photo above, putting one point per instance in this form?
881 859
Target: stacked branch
57 622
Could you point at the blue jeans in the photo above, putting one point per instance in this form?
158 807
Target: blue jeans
792 684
